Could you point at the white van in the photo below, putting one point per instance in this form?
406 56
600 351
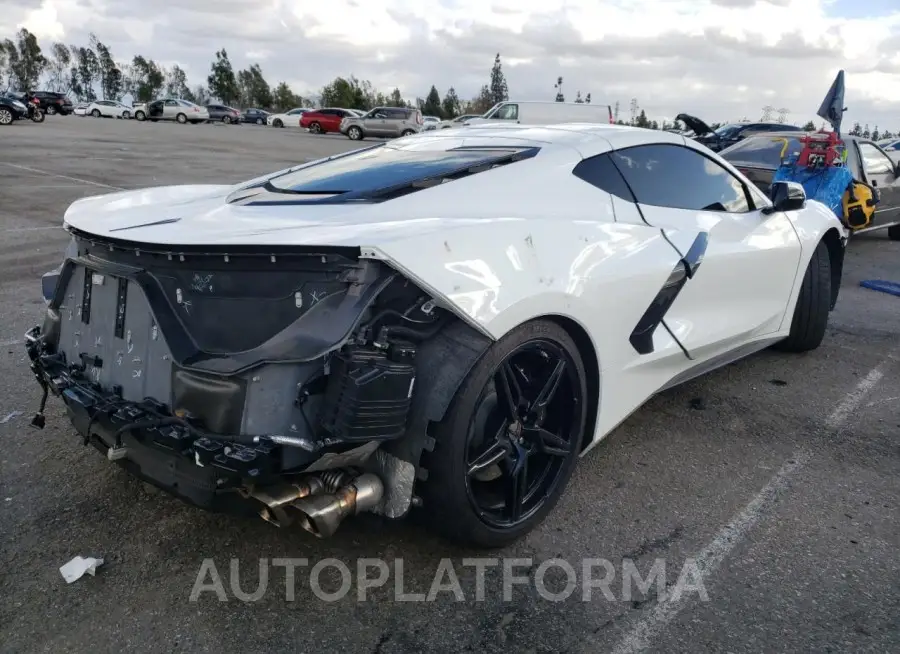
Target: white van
538 112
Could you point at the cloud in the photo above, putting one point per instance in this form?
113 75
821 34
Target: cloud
720 59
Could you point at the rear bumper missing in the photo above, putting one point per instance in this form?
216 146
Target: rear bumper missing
151 443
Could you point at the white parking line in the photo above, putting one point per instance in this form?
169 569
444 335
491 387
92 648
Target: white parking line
843 410
711 557
71 179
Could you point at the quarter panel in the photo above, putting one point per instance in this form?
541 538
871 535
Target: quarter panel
601 275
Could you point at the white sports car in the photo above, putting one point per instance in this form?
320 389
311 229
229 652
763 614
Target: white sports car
444 321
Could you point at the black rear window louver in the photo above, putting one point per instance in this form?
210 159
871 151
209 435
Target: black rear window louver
376 195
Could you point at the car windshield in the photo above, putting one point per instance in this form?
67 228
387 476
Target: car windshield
728 131
762 151
380 167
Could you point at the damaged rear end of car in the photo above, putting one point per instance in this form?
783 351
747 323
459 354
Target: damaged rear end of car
240 380
291 382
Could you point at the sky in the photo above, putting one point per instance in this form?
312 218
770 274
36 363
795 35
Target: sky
721 60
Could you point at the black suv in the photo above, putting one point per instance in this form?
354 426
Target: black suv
54 103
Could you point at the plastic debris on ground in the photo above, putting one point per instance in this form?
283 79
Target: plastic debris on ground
75 569
891 288
9 417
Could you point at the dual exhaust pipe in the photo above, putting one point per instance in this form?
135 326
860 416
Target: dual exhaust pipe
321 502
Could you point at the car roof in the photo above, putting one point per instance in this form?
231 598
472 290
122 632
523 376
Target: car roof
566 133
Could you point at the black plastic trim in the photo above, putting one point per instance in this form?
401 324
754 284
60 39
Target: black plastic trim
641 337
312 335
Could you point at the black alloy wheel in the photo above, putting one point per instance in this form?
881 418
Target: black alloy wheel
515 431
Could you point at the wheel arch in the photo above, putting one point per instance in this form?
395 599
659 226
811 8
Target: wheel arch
836 252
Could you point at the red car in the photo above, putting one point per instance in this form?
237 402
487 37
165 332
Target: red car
322 121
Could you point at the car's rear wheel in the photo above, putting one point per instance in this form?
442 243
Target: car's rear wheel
810 318
510 439
51 110
6 116
355 133
407 132
226 119
894 232
140 115
126 115
181 118
315 128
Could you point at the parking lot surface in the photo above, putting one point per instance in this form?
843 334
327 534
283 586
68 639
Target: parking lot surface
777 476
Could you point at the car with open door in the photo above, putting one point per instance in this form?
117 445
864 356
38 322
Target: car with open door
419 324
759 156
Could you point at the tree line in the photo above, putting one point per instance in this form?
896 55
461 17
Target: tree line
90 72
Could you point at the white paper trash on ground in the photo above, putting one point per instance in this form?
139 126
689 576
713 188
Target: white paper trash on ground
75 569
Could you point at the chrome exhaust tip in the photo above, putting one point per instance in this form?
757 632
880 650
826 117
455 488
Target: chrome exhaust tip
321 515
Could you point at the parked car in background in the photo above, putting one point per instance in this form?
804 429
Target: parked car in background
384 122
11 109
456 122
54 103
324 121
80 109
545 113
221 113
180 111
430 123
256 116
286 119
727 135
891 147
759 156
108 109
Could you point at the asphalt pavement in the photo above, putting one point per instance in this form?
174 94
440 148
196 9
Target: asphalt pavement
770 485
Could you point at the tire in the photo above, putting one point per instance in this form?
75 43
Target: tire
355 133
813 305
407 132
277 123
894 232
181 118
96 113
6 116
140 115
126 115
477 421
51 110
38 116
259 121
226 120
315 128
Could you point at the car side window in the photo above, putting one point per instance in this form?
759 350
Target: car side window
874 160
600 171
171 103
507 112
675 176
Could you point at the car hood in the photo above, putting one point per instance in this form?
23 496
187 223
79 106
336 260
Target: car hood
697 126
202 215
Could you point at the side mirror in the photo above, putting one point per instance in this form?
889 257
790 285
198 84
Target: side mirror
787 196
